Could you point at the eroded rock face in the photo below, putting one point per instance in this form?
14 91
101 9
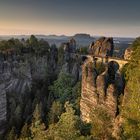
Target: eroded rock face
71 61
72 66
17 72
102 47
88 96
3 109
70 46
128 53
101 91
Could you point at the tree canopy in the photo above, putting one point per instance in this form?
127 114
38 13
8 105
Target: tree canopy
131 110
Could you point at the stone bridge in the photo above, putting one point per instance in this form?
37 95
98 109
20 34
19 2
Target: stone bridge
92 58
121 62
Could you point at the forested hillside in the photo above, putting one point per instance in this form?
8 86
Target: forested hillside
42 85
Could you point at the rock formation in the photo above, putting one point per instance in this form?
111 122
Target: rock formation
70 46
102 47
72 65
17 72
101 90
3 109
71 62
128 53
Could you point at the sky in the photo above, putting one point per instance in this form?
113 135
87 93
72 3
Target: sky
120 18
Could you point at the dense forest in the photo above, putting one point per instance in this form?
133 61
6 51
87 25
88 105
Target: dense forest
51 109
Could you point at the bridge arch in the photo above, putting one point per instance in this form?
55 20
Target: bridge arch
106 60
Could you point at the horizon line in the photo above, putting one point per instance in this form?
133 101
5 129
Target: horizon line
39 34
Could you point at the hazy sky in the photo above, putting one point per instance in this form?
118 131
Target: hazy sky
96 17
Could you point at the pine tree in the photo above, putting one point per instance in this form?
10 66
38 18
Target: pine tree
37 127
55 112
25 132
12 134
68 126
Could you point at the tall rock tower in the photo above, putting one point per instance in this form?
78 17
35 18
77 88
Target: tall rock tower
102 86
100 90
72 45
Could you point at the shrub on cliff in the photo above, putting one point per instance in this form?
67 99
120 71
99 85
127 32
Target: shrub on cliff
82 50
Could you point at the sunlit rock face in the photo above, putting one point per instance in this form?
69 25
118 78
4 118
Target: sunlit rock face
128 53
17 72
101 90
88 96
102 47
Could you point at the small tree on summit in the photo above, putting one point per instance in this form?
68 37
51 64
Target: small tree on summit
33 41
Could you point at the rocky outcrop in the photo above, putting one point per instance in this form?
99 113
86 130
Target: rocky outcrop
102 47
21 74
128 53
88 95
100 91
17 73
73 66
70 46
3 109
71 61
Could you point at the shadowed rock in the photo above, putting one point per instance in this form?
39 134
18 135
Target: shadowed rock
17 72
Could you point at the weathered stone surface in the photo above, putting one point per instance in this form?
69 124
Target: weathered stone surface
102 47
71 61
3 109
65 68
100 91
17 73
89 95
70 46
128 53
76 71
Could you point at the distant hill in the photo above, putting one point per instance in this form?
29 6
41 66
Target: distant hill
82 39
82 36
